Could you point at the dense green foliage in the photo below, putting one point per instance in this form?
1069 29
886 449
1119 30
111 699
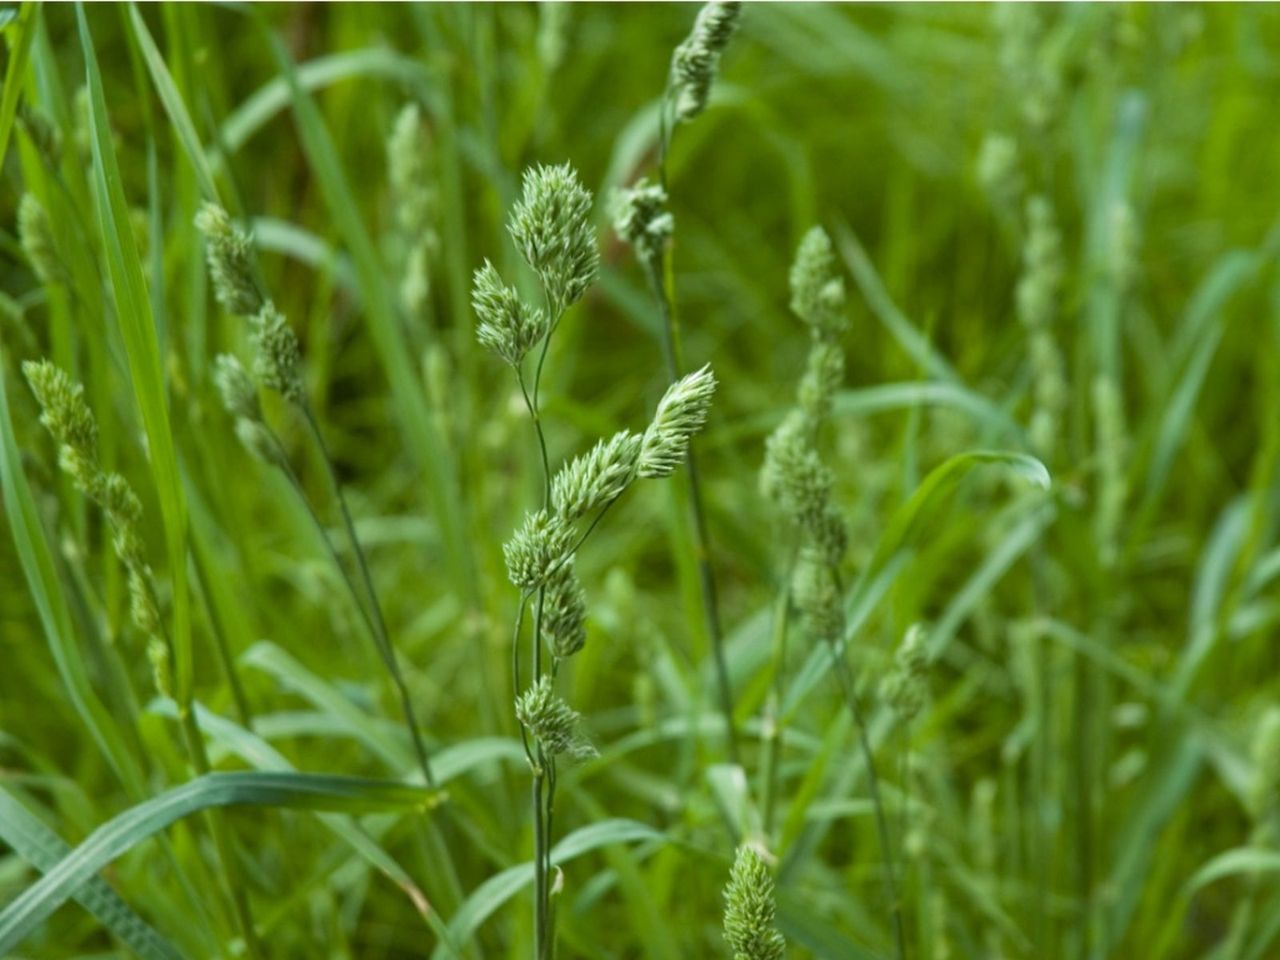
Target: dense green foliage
1022 414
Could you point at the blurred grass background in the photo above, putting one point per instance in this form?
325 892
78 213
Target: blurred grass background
1087 746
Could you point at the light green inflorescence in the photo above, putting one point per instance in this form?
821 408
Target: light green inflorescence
696 59
67 417
793 475
749 910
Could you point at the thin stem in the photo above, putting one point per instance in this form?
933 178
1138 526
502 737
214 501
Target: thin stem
224 649
531 404
847 688
772 732
193 740
381 634
663 291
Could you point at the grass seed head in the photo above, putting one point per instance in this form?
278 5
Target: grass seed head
36 236
817 289
229 252
552 721
694 63
551 227
277 358
534 551
239 392
681 413
564 613
596 477
508 326
641 218
749 910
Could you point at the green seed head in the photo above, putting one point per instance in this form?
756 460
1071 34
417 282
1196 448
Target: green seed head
564 612
239 392
551 227
817 597
597 477
537 548
278 358
552 721
749 910
508 326
230 255
641 218
124 514
905 688
694 63
64 411
817 289
681 413
36 237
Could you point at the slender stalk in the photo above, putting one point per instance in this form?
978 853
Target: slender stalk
228 662
379 621
662 284
771 736
193 740
847 687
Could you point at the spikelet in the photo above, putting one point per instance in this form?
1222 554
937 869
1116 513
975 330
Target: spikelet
904 689
36 236
68 418
564 612
551 227
552 721
508 326
999 171
537 548
817 597
277 356
641 218
749 910
681 413
596 477
1037 295
817 289
239 392
230 255
696 59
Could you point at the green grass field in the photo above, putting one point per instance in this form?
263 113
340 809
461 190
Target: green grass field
956 622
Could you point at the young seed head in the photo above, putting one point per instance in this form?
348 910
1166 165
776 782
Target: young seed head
508 326
817 598
641 218
681 413
564 612
124 514
533 552
597 477
823 375
407 170
749 910
63 410
552 721
277 356
551 227
694 63
239 392
36 237
904 689
817 289
229 253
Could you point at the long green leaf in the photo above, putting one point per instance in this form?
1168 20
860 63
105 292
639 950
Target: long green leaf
19 54
36 558
43 849
142 347
173 104
122 833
